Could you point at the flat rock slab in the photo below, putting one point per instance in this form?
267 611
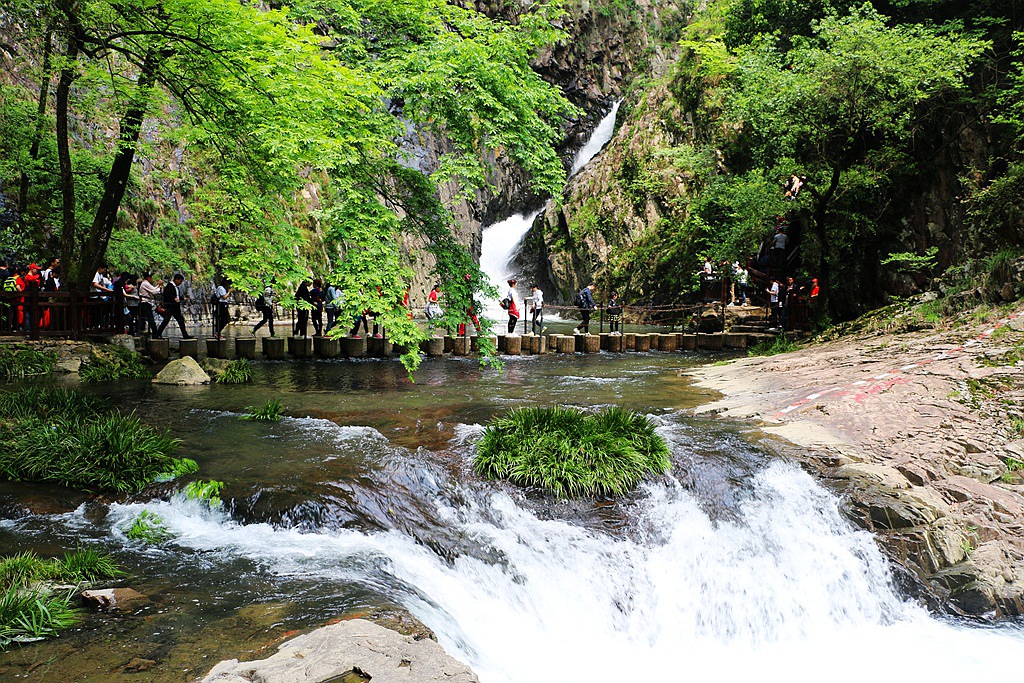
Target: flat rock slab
183 372
379 654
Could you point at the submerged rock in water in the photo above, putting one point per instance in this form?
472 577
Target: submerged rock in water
356 646
184 371
108 599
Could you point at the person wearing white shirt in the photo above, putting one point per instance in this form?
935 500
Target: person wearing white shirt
536 300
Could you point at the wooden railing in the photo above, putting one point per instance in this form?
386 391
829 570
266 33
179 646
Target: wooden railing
73 315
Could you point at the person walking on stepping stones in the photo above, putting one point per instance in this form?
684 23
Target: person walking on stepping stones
585 302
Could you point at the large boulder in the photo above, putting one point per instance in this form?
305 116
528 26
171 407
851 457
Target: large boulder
356 646
184 371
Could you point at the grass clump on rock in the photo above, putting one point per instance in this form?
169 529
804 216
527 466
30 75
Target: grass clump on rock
571 453
60 436
148 527
18 362
31 606
111 364
236 372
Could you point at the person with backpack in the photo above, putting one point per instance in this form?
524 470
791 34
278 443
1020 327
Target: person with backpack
585 302
172 307
509 304
265 306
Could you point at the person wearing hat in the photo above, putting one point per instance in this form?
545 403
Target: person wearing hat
512 308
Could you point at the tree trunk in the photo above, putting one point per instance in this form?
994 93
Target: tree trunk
120 171
37 128
67 179
822 201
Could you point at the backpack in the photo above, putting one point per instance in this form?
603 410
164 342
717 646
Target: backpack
580 303
504 303
261 303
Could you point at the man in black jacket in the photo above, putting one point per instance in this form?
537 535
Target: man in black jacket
172 307
585 300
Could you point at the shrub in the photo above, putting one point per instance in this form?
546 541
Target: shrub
111 364
30 609
772 347
570 453
237 372
268 412
148 527
59 436
18 363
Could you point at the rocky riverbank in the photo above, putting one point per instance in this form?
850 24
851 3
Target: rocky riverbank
921 432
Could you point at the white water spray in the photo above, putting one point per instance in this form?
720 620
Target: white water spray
786 590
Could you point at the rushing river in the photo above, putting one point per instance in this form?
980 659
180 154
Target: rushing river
737 566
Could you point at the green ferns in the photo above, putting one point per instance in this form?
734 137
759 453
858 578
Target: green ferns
30 607
570 453
148 527
59 436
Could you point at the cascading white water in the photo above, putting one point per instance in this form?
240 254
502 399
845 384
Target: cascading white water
500 241
598 139
785 589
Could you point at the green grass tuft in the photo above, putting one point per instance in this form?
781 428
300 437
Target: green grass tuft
205 490
18 362
111 364
570 453
59 436
773 347
237 372
148 527
30 608
268 412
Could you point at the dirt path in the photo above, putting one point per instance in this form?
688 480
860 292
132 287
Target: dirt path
918 429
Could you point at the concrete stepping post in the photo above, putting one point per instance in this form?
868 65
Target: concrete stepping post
643 343
579 345
629 341
591 343
433 346
689 342
158 349
378 347
605 336
353 347
330 347
734 341
565 343
501 343
711 342
615 343
460 346
273 348
449 344
667 342
513 345
474 344
300 347
216 348
245 348
188 347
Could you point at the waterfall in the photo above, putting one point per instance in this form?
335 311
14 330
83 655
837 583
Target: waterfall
785 589
501 240
598 139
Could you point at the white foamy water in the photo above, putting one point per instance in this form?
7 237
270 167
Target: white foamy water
598 139
785 590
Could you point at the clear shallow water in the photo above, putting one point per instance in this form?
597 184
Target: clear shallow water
736 565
